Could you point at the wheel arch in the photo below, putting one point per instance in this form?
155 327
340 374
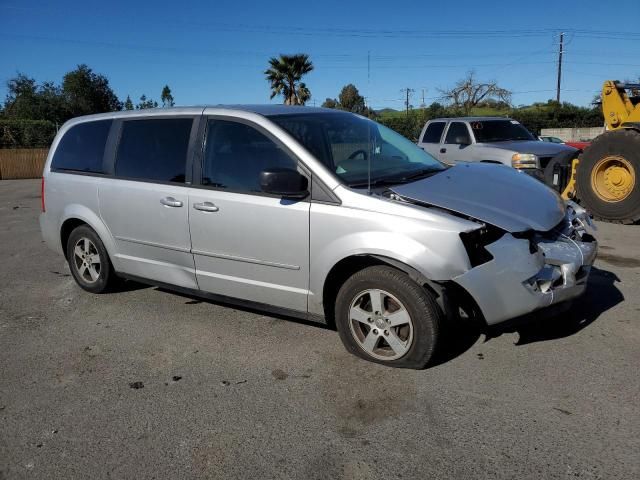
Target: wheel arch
348 266
76 215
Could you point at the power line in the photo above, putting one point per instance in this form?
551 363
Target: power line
350 31
333 57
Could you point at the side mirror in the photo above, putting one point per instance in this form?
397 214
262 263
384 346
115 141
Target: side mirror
285 182
462 140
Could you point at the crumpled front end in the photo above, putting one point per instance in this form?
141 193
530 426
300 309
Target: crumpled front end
528 271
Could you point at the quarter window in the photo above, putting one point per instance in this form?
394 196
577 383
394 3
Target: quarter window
154 149
236 153
82 147
433 133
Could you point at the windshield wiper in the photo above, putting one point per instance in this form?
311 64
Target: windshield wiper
374 183
427 172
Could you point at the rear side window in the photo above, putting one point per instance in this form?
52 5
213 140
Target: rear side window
82 147
458 134
433 133
154 149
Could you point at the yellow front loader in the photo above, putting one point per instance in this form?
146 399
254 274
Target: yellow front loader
606 177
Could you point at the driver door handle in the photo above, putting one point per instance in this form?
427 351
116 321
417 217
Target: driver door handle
170 202
443 150
206 207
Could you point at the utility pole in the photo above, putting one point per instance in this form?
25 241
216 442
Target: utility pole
560 52
408 91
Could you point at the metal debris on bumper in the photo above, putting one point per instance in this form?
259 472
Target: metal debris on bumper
527 274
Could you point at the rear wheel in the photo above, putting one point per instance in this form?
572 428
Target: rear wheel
608 177
88 260
385 317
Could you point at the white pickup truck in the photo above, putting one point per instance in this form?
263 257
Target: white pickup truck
488 139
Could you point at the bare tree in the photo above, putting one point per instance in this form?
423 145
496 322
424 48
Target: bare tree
469 93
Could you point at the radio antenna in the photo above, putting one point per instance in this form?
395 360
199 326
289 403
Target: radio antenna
369 171
370 153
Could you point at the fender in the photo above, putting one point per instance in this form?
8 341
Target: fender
80 212
424 261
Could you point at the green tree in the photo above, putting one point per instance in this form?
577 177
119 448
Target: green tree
86 92
284 75
128 104
330 103
351 100
21 98
166 97
146 103
28 100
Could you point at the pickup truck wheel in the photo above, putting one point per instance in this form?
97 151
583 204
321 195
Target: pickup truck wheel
88 260
383 316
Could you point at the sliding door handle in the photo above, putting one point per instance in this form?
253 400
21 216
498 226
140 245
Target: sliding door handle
205 207
170 202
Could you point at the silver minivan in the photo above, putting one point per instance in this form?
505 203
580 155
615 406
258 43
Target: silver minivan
313 213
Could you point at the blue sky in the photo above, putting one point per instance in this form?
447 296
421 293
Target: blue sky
215 51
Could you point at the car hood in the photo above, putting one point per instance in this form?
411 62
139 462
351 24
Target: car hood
544 149
495 194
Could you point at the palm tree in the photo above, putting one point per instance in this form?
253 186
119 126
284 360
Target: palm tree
285 74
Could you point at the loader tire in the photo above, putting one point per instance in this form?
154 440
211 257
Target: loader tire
608 177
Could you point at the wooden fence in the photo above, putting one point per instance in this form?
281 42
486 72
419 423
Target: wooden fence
22 162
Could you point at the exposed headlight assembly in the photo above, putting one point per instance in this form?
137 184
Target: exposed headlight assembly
475 242
524 160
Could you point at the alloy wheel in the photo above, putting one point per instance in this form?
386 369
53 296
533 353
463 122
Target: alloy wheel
380 324
86 259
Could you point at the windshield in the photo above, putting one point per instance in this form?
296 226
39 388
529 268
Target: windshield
357 149
487 131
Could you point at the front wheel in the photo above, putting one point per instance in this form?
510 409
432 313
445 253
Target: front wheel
383 316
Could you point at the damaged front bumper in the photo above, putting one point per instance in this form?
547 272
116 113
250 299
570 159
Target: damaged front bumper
535 270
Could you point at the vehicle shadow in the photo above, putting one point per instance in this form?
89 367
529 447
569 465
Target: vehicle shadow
127 286
459 335
600 296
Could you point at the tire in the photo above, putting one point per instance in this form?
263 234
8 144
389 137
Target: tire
620 148
564 162
89 264
413 316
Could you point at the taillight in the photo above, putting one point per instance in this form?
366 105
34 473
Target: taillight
42 196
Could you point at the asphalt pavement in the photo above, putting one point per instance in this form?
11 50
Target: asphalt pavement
145 383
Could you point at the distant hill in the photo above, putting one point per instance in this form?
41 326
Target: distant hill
386 111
